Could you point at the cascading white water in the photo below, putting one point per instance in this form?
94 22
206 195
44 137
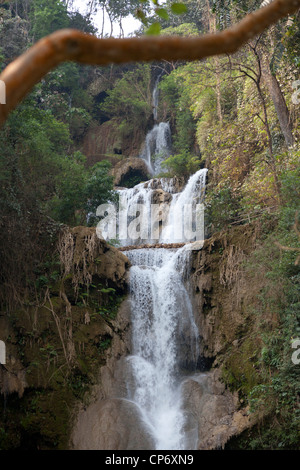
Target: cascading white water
161 312
158 140
177 225
157 146
189 199
155 95
164 333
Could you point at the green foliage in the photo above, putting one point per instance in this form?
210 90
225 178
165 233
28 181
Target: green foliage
278 395
162 14
79 191
184 29
222 207
178 8
69 193
154 29
183 164
174 14
275 313
176 92
48 16
290 188
130 98
99 186
44 180
129 103
291 42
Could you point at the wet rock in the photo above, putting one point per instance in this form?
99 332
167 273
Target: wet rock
213 414
112 424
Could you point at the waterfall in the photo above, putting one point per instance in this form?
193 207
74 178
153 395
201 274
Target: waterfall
190 198
157 145
164 333
180 217
155 95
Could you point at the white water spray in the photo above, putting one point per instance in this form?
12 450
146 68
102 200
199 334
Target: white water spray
182 218
157 146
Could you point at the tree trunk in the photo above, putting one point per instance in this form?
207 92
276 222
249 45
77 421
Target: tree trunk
218 90
212 29
279 103
257 80
272 161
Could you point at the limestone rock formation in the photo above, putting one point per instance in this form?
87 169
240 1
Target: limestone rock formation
213 412
110 421
130 171
171 185
220 288
85 256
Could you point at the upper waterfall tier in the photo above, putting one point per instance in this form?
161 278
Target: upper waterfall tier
155 95
158 211
157 147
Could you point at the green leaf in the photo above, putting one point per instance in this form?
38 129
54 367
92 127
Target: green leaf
154 29
107 290
178 8
141 16
162 13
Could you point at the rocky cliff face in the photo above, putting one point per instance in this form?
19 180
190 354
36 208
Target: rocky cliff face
222 300
214 413
220 289
130 171
56 342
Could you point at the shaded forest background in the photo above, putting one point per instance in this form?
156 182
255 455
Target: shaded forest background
238 116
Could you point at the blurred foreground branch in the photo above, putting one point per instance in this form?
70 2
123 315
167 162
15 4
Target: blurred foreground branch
71 45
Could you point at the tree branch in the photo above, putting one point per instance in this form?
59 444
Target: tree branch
72 45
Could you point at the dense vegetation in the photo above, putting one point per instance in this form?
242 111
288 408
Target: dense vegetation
238 116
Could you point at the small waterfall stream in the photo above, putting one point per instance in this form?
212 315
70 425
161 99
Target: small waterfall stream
157 146
158 140
164 333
